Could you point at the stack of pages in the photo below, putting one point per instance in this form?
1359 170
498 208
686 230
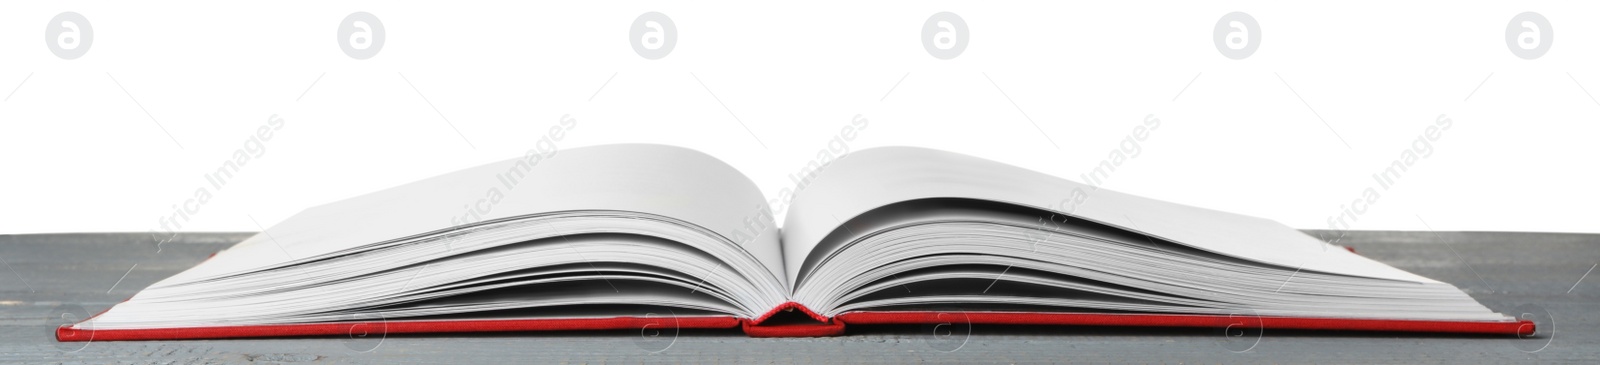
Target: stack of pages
627 236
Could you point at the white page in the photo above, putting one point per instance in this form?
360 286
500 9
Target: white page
655 179
868 179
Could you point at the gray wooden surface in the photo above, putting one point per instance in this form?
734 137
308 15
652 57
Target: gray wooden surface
47 275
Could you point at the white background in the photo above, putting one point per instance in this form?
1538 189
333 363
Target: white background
1048 86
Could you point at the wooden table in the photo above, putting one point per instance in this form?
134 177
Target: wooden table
52 273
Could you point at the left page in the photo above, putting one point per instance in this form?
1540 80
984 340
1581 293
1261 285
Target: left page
656 179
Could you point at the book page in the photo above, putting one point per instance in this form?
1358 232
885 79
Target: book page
868 179
655 179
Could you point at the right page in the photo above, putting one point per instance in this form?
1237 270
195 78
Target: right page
868 179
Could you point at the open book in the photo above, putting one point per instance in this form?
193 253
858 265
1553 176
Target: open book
629 236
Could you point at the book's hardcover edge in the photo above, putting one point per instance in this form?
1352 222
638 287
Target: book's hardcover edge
1515 327
825 327
368 329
